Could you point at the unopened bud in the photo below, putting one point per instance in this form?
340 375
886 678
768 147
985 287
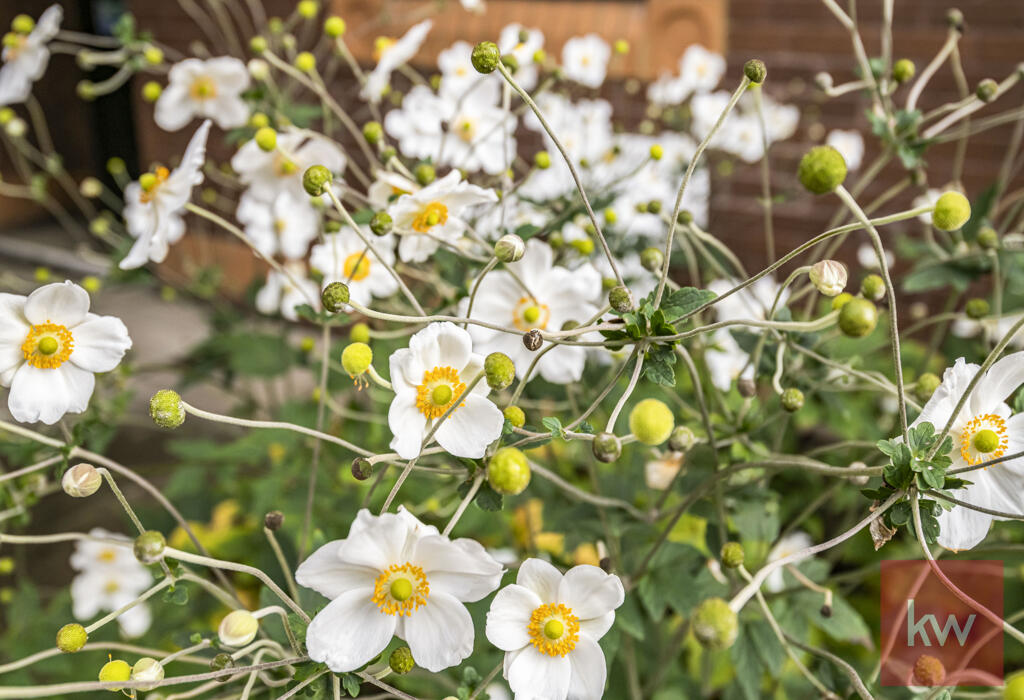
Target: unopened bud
828 277
755 71
508 471
977 308
81 480
71 637
714 624
515 416
607 447
381 223
873 287
486 57
362 468
238 628
401 661
316 179
532 339
499 370
335 296
651 422
149 670
356 358
621 299
987 90
149 547
166 409
509 248
732 555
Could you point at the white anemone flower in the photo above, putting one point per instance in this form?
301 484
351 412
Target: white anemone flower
790 544
868 257
286 225
387 187
523 43
343 257
585 59
549 624
983 430
109 578
418 124
726 360
153 204
428 377
668 89
480 135
555 295
432 215
392 54
26 57
701 69
458 77
850 145
50 348
395 576
266 174
210 89
283 295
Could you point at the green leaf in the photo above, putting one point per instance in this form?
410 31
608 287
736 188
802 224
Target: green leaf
554 426
351 683
743 655
684 301
176 595
900 513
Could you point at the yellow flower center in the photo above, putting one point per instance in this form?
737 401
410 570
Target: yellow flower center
437 392
529 314
47 345
401 589
107 555
984 438
14 43
380 46
467 130
433 214
150 183
553 629
111 586
203 88
284 166
357 266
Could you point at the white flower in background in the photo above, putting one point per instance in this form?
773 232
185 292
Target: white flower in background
210 89
929 198
741 136
387 187
458 77
701 69
585 60
983 430
554 182
659 473
286 225
556 295
726 360
395 576
496 219
522 43
153 204
790 544
390 55
50 347
109 577
549 625
343 257
668 89
850 145
281 295
480 135
427 377
584 127
26 56
780 120
418 124
473 5
639 279
991 327
868 258
430 216
267 174
706 108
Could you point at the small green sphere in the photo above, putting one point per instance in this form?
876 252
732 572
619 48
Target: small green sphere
316 179
508 471
509 248
903 70
499 370
356 358
221 662
542 159
651 422
359 333
952 211
685 217
149 547
858 317
257 44
873 287
381 223
266 139
822 170
657 152
792 399
681 439
977 308
151 91
1014 689
148 669
654 206
755 70
305 62
22 24
840 301
620 299
732 555
166 409
988 238
334 26
486 57
116 670
926 385
373 132
515 416
362 468
425 174
335 296
714 624
307 9
401 661
652 259
987 90
607 447
71 637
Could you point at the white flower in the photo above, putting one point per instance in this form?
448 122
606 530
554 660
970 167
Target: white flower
287 225
267 174
497 219
726 360
281 295
790 544
991 327
983 430
584 127
509 42
701 69
109 578
395 576
548 625
868 258
585 60
555 295
391 54
850 145
50 347
418 124
430 216
473 5
343 257
659 473
480 135
153 204
210 89
668 89
458 77
427 377
387 187
25 61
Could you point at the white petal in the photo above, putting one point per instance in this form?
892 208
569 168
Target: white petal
509 617
136 621
471 428
378 546
62 302
962 528
588 670
462 569
47 394
1001 380
100 343
325 573
408 425
540 577
590 591
536 675
440 633
229 112
174 109
597 627
350 631
13 330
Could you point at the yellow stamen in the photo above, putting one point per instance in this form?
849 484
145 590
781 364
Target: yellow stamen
433 214
984 438
553 629
380 46
107 555
151 182
357 266
203 88
47 345
437 392
401 589
529 314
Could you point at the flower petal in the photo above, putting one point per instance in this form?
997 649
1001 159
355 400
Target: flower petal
327 574
964 528
379 545
407 423
597 627
61 302
536 675
350 631
100 343
588 670
540 577
1001 380
471 428
509 617
590 591
439 633
47 394
460 568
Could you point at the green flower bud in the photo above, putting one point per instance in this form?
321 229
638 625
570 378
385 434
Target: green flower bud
425 174
533 340
651 422
305 62
640 207
499 370
1014 687
928 671
621 47
22 24
755 70
362 468
221 662
116 670
388 153
556 240
509 248
976 308
359 333
987 90
334 26
515 416
654 206
926 385
873 287
356 358
657 152
955 19
149 547
542 159
681 439
840 301
334 297
6 565
714 624
610 216
307 9
792 399
381 223
858 317
401 660
685 217
822 170
652 259
81 480
238 628
148 669
71 637
621 299
151 91
508 471
952 211
257 44
373 132
266 139
903 70
485 57
584 246
166 409
988 238
509 61
316 179
607 447
732 555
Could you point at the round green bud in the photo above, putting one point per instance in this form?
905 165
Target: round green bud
257 44
306 344
610 216
373 132
822 170
510 62
509 248
903 70
316 180
755 70
151 91
305 62
499 370
532 340
22 24
116 670
681 439
149 547
362 468
873 287
359 333
556 240
858 317
657 152
6 566
148 669
732 555
654 206
685 217
334 26
584 246
81 480
266 139
515 416
335 296
221 662
91 283
154 55
714 624
640 207
166 409
987 90
977 308
607 447
955 18
1014 689
542 159
401 661
652 259
651 422
71 637
508 471
381 223
621 47
238 628
841 300
792 399
307 9
425 174
926 385
388 153
259 120
620 299
928 671
952 210
988 238
356 358
485 57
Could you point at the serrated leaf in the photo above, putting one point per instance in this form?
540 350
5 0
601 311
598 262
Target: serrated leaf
684 301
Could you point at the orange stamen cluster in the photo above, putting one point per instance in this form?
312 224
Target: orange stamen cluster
357 266
570 629
58 334
986 421
388 604
433 378
434 214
